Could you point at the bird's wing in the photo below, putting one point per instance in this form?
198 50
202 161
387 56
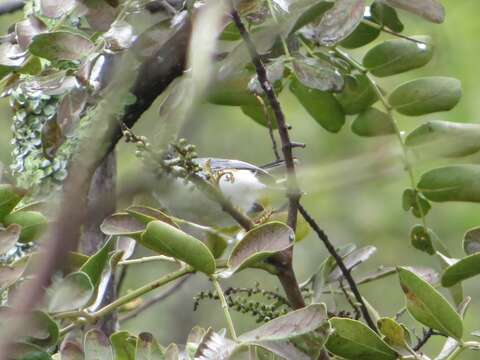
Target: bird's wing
218 164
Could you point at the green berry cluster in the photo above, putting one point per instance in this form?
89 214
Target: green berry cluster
262 304
177 160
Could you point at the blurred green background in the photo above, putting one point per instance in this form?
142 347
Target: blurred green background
353 185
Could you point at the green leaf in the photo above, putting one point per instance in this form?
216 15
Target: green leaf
166 239
412 199
97 346
61 45
257 113
322 106
9 237
124 345
10 58
450 344
445 138
172 352
10 196
230 33
363 35
428 306
339 21
353 340
295 323
283 349
71 293
464 269
451 183
317 74
275 71
147 348
9 274
307 12
33 224
399 55
26 351
426 95
41 331
123 224
456 291
259 244
232 90
213 347
471 241
147 214
373 122
32 66
393 332
95 264
421 240
71 347
57 8
430 10
194 339
27 29
358 94
387 16
216 243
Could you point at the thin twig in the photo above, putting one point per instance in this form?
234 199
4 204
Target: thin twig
155 300
338 259
294 192
270 129
424 339
282 261
141 291
350 301
226 311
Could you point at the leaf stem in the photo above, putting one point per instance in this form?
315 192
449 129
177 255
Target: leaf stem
388 31
225 308
147 259
398 133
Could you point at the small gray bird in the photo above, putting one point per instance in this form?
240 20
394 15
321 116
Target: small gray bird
247 186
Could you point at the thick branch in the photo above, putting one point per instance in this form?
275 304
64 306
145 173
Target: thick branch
338 259
424 339
294 192
282 261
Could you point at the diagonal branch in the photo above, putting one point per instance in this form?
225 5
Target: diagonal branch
282 261
338 259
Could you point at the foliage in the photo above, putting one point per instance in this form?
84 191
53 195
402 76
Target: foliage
55 66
